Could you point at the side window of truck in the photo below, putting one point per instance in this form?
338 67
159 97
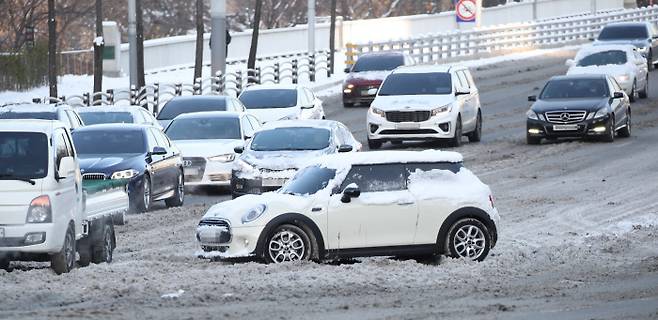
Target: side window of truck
61 150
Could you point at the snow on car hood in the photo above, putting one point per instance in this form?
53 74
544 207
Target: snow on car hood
207 148
275 204
368 75
281 160
415 102
610 69
273 114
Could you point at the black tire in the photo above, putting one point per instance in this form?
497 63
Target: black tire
348 105
179 196
625 132
650 64
645 91
84 251
468 239
456 141
634 94
300 244
476 135
103 248
532 140
64 261
4 264
120 219
610 136
141 202
374 144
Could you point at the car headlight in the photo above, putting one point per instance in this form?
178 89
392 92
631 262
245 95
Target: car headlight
125 174
222 158
623 78
349 86
244 167
643 49
378 112
39 210
254 213
440 110
601 113
532 115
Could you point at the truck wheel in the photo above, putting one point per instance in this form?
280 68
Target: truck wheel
104 246
179 195
64 261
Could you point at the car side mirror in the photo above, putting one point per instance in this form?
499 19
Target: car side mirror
654 37
158 151
308 106
351 191
462 91
532 98
345 148
347 69
66 168
238 149
570 63
372 91
618 95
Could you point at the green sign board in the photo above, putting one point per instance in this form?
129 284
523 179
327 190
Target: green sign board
108 53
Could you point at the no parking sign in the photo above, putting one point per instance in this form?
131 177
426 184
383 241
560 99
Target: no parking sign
466 10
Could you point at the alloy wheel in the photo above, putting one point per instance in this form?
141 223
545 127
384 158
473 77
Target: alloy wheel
469 242
286 246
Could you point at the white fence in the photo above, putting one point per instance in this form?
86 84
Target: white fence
488 40
173 51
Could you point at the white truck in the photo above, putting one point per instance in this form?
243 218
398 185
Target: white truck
45 213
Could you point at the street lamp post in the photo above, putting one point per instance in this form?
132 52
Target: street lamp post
311 26
132 41
218 36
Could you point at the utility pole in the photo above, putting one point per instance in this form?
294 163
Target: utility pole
332 37
218 36
132 41
198 58
139 25
52 49
251 63
99 44
311 26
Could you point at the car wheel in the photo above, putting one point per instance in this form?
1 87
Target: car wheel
179 196
469 239
456 141
142 200
374 144
650 64
476 135
610 136
64 260
625 132
645 91
348 105
104 247
4 264
532 140
634 95
288 243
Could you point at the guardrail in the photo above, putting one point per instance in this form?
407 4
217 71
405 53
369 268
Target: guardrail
153 96
488 40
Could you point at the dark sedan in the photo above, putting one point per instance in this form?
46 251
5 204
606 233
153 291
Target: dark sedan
579 106
189 104
643 35
140 153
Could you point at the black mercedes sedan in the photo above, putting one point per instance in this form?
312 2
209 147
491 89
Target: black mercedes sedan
579 106
140 154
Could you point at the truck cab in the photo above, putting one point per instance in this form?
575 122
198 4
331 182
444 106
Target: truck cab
42 201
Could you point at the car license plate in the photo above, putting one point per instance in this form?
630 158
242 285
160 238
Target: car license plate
407 126
191 171
2 232
275 182
565 127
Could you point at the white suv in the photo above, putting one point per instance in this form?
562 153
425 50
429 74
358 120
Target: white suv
387 203
425 103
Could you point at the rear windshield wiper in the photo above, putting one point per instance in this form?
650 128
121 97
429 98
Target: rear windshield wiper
11 177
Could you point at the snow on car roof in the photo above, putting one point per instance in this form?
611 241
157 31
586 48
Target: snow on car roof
327 124
208 114
427 68
109 109
31 107
342 160
588 50
29 125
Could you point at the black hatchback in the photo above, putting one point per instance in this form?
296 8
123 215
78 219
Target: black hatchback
579 106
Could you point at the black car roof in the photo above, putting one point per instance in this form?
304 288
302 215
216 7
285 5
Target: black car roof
198 98
580 76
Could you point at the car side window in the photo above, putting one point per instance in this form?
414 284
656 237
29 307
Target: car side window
237 105
247 129
301 98
148 117
616 85
376 178
453 167
463 79
61 149
457 81
162 140
469 78
309 95
254 122
150 137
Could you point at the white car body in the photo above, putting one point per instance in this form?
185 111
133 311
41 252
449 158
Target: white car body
633 75
462 103
380 222
308 106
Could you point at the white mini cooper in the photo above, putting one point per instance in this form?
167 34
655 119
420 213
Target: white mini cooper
386 203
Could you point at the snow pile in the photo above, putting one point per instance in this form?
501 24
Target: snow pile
346 160
461 188
173 295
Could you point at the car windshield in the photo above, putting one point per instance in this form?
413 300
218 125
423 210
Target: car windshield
28 115
269 98
616 57
398 84
378 63
109 141
309 181
23 155
101 117
574 88
623 33
293 138
175 107
204 128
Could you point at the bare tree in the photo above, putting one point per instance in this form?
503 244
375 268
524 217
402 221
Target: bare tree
251 63
99 44
52 49
198 59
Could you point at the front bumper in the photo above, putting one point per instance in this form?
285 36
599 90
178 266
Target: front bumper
437 127
358 95
14 242
228 242
256 185
212 174
586 128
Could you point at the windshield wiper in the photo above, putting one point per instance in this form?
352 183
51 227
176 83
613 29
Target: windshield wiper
12 177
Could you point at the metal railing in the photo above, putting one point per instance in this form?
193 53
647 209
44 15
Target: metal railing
489 40
152 96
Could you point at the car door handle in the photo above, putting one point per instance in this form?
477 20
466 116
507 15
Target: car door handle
316 209
405 203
